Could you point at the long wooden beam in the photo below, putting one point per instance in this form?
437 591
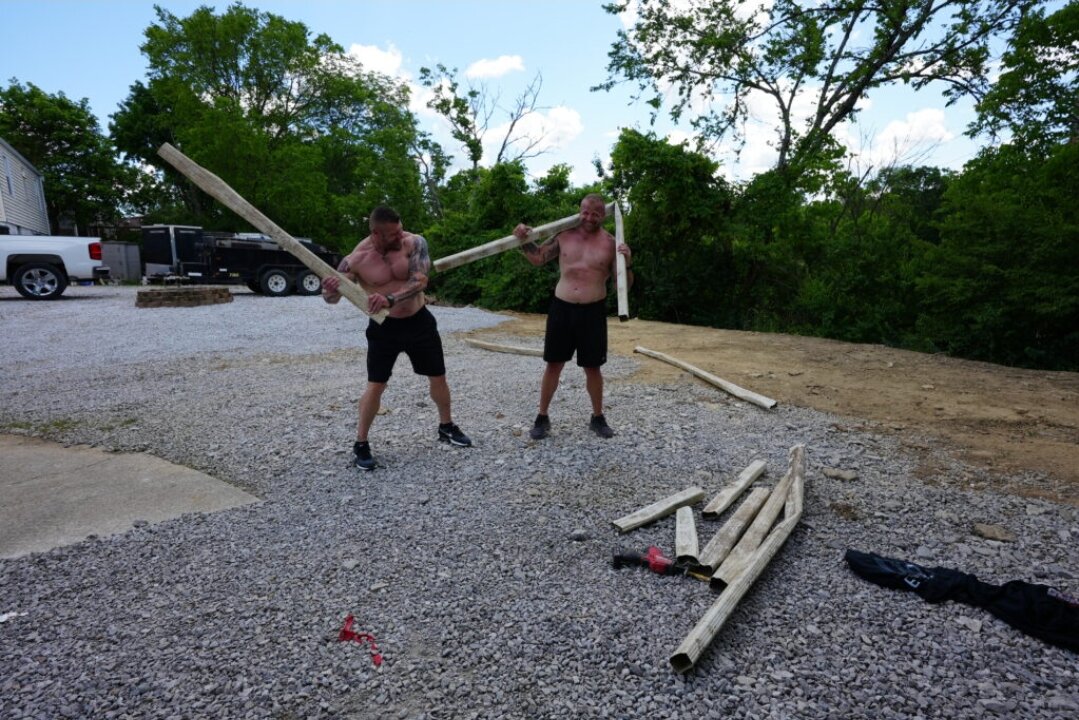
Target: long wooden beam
660 508
620 266
508 243
218 189
495 347
717 549
739 392
691 649
729 494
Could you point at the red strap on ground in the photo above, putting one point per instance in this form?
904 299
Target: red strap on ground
347 633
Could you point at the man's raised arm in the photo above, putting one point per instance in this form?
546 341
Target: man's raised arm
537 254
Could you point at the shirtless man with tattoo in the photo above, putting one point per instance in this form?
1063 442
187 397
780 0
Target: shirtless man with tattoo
577 319
392 266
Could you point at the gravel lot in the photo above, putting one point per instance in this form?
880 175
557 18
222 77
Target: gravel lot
463 562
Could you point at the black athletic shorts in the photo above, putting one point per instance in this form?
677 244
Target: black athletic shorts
576 327
415 336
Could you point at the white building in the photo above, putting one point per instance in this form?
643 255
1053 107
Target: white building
22 195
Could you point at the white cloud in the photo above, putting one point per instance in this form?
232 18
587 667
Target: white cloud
552 130
498 67
375 59
903 141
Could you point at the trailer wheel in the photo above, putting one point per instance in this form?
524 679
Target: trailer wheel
40 281
308 283
276 283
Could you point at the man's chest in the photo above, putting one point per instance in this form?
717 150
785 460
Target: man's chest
378 269
595 252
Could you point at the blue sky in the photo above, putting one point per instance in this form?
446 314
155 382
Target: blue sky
90 49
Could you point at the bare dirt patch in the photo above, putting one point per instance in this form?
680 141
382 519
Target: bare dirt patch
1003 419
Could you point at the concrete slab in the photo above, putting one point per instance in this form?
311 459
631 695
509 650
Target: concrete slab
56 495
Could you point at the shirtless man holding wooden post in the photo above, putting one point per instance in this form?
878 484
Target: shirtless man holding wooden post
392 266
577 319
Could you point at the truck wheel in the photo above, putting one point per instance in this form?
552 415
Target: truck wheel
276 283
40 281
308 283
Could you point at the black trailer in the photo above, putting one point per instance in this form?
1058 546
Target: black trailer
185 253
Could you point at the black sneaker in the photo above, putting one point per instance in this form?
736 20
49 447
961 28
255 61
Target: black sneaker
599 426
541 427
452 434
362 458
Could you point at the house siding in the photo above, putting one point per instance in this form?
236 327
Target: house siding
22 206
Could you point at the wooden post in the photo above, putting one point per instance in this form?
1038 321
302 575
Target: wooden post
495 347
509 243
217 188
620 266
691 649
721 543
659 509
742 554
729 494
739 392
685 535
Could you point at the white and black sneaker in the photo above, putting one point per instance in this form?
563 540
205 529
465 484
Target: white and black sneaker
362 456
598 425
452 434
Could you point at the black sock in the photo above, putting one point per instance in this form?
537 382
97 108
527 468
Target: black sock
445 426
541 416
359 444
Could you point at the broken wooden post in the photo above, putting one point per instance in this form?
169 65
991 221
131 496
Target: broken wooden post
691 649
218 189
742 553
685 535
621 280
729 494
715 552
739 392
495 347
660 508
509 243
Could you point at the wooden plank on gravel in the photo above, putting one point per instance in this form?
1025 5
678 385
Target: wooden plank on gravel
721 543
730 493
513 349
660 508
691 649
742 554
739 392
685 535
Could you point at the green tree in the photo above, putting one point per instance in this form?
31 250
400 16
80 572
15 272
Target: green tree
84 181
1002 284
678 228
291 121
1037 95
720 53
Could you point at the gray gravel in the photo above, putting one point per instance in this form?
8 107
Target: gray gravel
484 573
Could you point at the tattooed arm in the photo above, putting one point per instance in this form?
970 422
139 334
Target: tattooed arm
419 264
537 254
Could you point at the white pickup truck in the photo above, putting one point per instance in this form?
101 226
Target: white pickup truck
42 266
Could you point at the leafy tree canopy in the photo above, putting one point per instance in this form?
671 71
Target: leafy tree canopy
61 137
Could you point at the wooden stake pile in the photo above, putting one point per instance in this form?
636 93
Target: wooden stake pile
740 550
